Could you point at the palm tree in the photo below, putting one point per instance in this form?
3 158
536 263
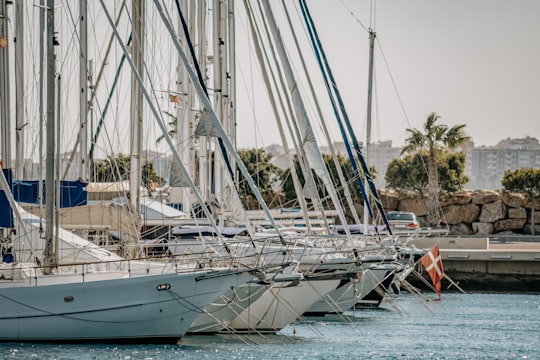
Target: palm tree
434 138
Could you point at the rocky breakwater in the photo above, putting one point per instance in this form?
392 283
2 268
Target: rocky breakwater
481 212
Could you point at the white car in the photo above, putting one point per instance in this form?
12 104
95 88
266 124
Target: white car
402 220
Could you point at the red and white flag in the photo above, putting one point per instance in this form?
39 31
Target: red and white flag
433 263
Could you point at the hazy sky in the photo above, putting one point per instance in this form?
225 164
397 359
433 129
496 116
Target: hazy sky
474 62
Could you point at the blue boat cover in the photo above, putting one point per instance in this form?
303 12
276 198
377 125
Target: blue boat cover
187 231
72 193
6 214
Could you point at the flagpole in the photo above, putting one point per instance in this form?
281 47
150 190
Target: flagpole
452 282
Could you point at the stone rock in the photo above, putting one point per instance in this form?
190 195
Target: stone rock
461 229
462 198
482 228
470 212
509 224
389 199
416 206
455 214
517 213
534 203
513 200
492 212
452 214
485 196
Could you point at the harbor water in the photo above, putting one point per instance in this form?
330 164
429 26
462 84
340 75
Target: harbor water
459 326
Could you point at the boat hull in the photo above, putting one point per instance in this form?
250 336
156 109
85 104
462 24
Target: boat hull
153 308
281 305
218 314
350 292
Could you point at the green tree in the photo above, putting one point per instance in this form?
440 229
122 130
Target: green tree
525 181
117 168
408 173
264 174
434 138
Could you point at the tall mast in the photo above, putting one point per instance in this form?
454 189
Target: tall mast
219 89
136 104
368 121
179 192
19 89
203 140
83 94
50 251
42 14
5 124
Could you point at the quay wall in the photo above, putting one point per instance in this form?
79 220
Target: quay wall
484 264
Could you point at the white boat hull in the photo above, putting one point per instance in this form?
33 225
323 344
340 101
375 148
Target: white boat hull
347 295
218 314
153 308
281 305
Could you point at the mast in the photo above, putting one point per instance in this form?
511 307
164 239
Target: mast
42 14
19 89
137 54
50 251
83 95
219 89
5 126
179 193
203 150
368 122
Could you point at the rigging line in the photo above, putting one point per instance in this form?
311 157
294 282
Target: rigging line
399 98
106 107
73 39
354 16
251 92
393 82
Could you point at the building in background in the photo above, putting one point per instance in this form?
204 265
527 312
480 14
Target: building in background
488 164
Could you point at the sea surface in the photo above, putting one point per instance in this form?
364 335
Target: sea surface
459 326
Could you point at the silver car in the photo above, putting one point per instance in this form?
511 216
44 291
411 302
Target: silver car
402 220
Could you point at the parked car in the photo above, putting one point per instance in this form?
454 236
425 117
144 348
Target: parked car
402 220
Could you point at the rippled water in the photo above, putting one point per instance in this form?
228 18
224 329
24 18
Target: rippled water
472 326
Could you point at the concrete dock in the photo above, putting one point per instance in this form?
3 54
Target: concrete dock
498 263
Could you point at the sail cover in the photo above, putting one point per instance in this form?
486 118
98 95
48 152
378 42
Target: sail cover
72 193
6 214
